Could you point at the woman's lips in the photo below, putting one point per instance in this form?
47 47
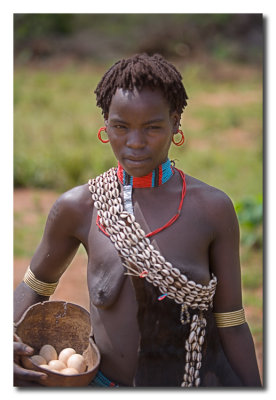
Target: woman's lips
136 161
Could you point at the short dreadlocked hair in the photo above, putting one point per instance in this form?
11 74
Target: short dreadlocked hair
138 72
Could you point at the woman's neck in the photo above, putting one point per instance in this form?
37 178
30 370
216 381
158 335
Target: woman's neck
157 177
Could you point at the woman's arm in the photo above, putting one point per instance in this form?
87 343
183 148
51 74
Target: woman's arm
237 341
62 236
54 253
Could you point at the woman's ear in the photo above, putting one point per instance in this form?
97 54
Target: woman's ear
175 118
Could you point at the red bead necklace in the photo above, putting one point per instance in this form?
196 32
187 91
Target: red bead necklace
170 222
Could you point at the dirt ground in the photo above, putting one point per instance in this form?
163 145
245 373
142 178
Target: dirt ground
73 286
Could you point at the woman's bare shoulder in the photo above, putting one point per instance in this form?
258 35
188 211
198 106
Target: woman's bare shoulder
211 199
77 196
74 203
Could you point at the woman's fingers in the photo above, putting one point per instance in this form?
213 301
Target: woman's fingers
26 377
22 349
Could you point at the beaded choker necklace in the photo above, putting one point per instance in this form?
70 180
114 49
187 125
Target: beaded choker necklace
127 195
157 177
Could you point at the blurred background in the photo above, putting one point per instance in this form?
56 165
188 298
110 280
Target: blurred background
58 61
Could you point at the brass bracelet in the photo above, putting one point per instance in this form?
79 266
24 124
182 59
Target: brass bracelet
232 318
41 288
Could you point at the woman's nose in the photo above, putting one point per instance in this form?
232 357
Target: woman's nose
136 139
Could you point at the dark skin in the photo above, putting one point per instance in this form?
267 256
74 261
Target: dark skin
204 239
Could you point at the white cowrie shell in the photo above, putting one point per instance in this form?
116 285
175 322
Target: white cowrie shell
115 192
157 267
141 246
197 382
120 207
117 246
191 284
192 337
183 278
124 214
201 340
97 204
169 280
175 272
146 241
125 252
161 259
146 253
198 364
100 191
130 218
188 346
193 326
140 233
94 196
133 238
163 289
185 376
177 284
168 265
113 210
194 355
121 223
149 278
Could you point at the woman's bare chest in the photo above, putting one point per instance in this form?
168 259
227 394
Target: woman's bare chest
184 244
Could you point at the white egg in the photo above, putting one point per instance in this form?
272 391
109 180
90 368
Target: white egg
48 352
56 365
38 360
77 361
45 366
65 354
69 371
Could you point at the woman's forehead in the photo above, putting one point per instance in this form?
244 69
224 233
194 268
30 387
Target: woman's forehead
145 97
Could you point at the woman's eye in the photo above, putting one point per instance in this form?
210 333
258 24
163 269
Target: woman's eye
119 127
154 127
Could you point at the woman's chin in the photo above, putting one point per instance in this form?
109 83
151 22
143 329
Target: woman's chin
137 168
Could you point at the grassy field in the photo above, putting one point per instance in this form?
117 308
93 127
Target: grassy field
56 147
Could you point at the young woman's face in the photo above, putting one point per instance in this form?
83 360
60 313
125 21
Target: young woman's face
140 127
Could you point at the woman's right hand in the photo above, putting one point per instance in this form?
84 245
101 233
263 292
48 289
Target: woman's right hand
22 376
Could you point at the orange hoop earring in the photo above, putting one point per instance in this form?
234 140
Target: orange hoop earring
99 135
181 141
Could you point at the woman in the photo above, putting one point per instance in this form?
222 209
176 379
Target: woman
163 249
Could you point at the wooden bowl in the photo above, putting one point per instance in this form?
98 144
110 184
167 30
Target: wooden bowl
62 325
